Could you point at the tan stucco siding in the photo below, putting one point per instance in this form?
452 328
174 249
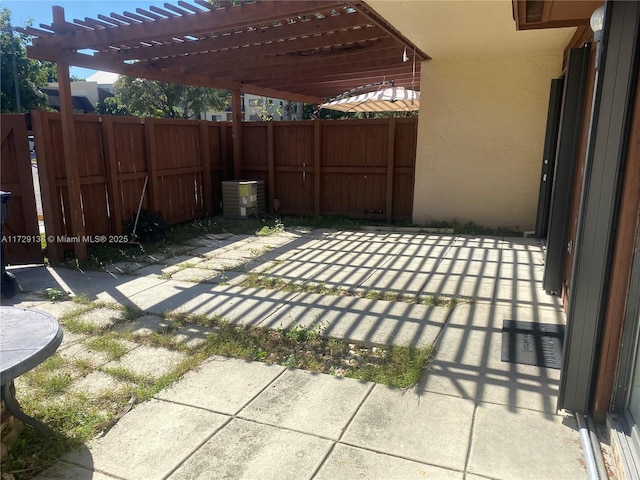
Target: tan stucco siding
480 138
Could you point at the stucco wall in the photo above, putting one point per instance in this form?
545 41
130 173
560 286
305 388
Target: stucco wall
480 138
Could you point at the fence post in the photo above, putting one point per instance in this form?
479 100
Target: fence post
271 166
152 155
110 160
236 125
205 162
47 177
224 151
317 168
391 145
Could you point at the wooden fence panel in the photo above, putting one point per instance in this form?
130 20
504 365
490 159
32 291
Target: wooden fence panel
254 146
406 142
293 167
359 143
293 144
21 227
92 173
354 195
179 170
358 168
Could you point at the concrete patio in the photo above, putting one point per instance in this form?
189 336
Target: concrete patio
472 416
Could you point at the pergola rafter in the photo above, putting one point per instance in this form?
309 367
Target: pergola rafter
283 49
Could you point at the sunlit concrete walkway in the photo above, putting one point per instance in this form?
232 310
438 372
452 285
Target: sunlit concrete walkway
471 416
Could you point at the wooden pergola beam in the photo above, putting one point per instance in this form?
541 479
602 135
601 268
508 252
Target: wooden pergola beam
327 91
330 80
70 151
328 40
145 71
313 26
324 68
206 22
325 59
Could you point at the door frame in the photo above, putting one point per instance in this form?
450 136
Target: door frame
568 145
599 206
549 156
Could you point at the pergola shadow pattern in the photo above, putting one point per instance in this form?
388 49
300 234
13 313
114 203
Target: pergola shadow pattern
494 278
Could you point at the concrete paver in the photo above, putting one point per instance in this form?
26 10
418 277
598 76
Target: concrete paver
97 383
235 304
255 451
102 318
402 282
195 275
468 361
67 471
445 285
471 416
192 336
223 385
344 459
362 320
151 443
80 351
309 402
145 325
148 361
423 427
532 452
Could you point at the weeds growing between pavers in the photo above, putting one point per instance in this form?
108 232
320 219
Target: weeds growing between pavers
259 280
48 392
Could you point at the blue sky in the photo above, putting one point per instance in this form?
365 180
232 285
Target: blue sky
40 12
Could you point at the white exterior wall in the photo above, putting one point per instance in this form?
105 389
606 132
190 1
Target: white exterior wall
483 106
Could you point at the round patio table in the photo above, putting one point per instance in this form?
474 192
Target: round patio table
27 338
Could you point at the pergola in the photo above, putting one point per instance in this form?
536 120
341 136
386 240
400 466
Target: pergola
297 50
305 50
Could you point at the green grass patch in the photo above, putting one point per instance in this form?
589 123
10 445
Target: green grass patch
258 280
109 344
278 227
75 418
401 367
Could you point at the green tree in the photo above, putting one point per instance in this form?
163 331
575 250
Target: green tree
151 98
32 74
111 106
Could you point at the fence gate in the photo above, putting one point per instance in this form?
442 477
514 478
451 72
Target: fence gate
20 230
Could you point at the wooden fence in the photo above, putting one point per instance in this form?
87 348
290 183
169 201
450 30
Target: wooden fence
20 231
358 168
